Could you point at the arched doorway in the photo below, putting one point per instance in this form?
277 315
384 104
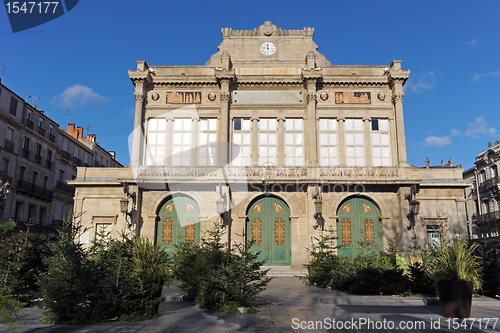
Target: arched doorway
358 227
179 221
268 224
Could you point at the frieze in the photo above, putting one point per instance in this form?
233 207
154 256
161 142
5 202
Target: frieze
279 173
183 97
352 97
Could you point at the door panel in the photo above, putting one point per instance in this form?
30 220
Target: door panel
359 228
178 223
268 225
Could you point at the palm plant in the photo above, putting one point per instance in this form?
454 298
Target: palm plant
456 261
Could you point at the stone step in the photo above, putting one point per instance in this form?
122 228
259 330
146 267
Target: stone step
275 271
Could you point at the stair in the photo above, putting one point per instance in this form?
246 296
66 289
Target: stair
275 271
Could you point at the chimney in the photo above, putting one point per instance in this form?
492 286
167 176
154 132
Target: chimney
79 129
450 162
91 137
41 111
112 153
427 163
72 131
33 106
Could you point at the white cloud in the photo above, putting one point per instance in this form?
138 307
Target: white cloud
78 96
479 127
472 43
426 81
478 76
438 141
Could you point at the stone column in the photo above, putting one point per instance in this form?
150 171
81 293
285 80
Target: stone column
281 141
169 139
255 142
138 141
224 122
397 99
311 134
393 143
194 140
341 142
367 142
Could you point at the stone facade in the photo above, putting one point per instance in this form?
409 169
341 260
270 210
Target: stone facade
483 196
269 122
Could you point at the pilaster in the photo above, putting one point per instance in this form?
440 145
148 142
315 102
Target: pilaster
255 142
368 142
281 141
341 142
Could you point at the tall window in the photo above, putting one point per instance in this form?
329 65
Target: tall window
76 151
294 142
380 142
182 142
13 106
242 141
155 139
494 171
267 142
65 144
354 142
328 142
207 142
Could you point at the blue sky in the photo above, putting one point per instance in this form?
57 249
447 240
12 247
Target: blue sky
80 60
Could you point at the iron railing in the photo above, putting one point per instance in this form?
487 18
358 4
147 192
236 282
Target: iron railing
34 190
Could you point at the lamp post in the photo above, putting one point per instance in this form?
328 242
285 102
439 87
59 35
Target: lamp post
414 205
124 204
318 209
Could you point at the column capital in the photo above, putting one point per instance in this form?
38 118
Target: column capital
139 97
225 96
311 97
367 118
341 118
397 96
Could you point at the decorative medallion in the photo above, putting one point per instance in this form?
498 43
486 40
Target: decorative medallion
211 96
167 231
324 96
189 208
170 207
347 208
351 97
367 208
257 208
190 229
183 97
381 97
278 208
257 231
279 231
155 97
346 232
369 232
267 28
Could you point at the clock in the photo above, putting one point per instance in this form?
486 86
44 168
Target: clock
267 48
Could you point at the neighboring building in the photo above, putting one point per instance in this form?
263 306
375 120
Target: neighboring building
265 125
37 159
483 196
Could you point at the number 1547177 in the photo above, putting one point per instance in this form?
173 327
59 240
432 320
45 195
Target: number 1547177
25 7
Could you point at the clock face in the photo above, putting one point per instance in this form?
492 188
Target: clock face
267 48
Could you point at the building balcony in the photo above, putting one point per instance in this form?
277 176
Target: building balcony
9 146
41 131
38 159
490 217
77 161
66 188
488 184
52 137
25 152
34 190
28 123
24 224
65 155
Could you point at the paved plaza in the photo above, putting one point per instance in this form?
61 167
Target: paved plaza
294 307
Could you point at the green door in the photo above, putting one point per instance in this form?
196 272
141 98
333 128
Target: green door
268 225
178 222
358 228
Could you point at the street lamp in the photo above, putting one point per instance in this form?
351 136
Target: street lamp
124 203
4 191
318 208
414 205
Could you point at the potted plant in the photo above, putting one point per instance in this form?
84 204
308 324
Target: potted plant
456 270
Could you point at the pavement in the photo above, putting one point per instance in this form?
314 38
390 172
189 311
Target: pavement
292 306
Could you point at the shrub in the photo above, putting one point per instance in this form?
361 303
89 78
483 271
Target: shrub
220 279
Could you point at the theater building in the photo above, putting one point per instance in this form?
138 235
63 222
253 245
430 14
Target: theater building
269 130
